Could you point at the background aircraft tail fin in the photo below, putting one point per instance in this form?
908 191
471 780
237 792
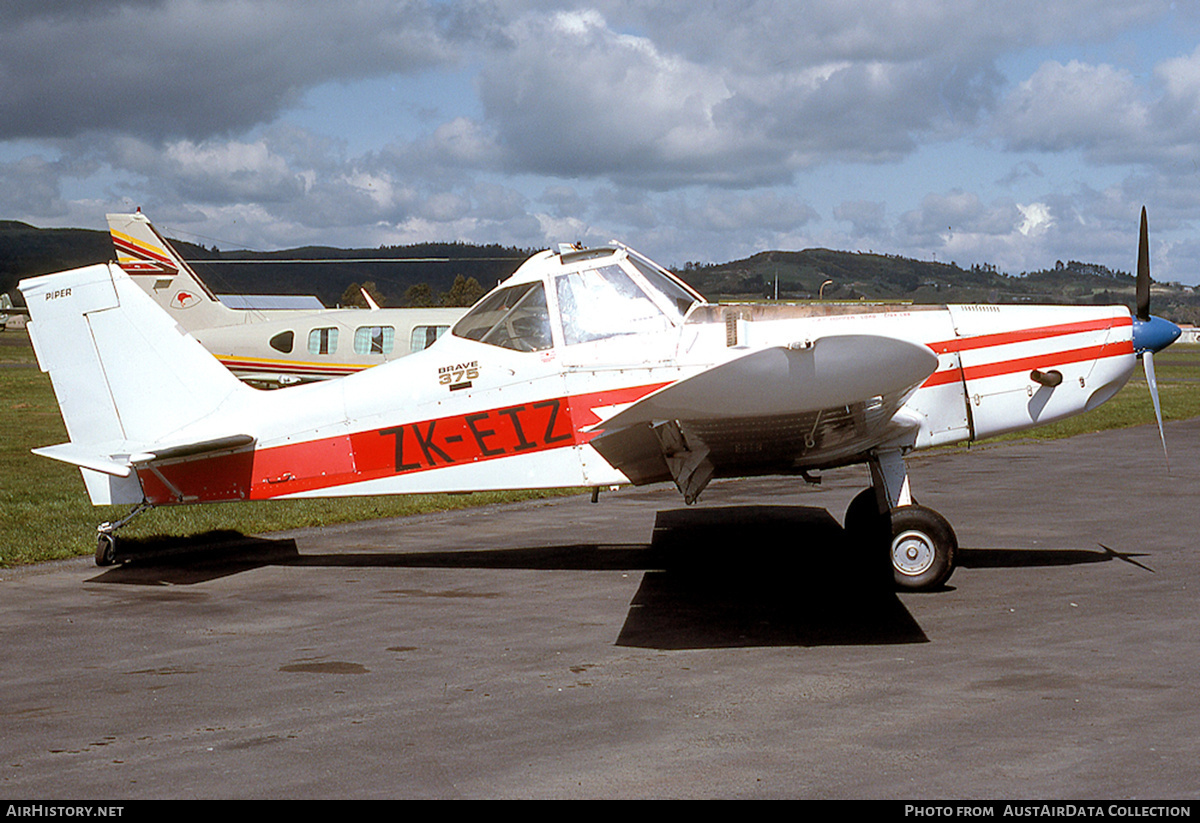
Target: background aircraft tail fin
125 374
154 265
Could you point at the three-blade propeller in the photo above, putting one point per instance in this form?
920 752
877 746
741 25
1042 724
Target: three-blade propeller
1150 334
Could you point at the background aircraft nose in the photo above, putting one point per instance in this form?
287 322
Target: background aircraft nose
1153 334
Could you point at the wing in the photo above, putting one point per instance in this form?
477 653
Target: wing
774 410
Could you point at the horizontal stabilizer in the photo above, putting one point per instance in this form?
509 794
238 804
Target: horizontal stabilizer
94 457
116 458
830 372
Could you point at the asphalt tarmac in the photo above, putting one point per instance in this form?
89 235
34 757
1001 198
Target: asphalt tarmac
636 648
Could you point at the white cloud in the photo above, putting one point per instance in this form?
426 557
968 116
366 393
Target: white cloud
571 97
1036 218
194 68
731 128
1062 107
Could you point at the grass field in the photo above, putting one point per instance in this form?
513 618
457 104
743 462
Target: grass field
45 513
44 509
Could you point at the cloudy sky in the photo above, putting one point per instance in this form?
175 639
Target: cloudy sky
1011 132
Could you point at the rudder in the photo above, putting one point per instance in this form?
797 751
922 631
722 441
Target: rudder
125 375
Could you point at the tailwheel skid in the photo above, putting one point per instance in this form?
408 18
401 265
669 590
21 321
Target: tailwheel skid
921 543
106 538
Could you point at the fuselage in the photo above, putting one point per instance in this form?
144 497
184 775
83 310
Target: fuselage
515 395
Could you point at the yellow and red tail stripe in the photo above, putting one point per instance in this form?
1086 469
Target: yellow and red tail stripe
136 257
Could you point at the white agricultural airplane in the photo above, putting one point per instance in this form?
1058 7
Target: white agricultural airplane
587 367
274 347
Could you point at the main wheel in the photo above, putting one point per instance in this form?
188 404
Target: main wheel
923 548
862 515
106 549
868 540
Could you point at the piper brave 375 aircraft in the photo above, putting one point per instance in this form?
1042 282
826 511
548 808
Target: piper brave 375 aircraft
587 367
270 348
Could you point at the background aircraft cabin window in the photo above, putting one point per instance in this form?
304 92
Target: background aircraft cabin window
322 341
284 341
374 339
423 336
679 297
514 318
605 302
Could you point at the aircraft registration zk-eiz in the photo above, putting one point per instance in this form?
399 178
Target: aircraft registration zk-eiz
587 367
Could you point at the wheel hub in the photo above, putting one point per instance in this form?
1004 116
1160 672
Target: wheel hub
913 553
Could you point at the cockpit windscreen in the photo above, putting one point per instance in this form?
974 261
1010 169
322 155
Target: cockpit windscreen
605 302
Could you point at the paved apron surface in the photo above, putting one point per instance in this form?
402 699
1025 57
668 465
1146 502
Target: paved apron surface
636 648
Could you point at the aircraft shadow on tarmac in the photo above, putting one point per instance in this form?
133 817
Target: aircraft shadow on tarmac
742 576
736 576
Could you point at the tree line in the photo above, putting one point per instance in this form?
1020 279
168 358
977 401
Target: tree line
464 291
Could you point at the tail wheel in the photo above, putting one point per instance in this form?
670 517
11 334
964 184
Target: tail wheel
106 549
923 548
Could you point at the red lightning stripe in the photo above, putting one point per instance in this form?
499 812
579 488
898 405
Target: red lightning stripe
1022 364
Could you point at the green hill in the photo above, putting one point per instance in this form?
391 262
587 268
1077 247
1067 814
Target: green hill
857 276
26 251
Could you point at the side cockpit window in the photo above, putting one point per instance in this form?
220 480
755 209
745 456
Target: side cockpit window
678 296
513 318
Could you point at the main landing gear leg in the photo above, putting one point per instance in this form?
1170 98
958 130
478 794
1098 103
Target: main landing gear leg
106 538
920 542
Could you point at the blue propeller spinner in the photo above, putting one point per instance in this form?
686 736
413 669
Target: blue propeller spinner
1150 334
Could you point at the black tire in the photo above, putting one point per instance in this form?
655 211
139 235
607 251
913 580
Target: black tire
862 515
106 549
923 546
868 539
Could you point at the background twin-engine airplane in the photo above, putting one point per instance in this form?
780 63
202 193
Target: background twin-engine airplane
587 367
270 348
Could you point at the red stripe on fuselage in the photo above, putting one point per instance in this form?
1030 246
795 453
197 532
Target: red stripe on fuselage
464 439
1004 338
1020 364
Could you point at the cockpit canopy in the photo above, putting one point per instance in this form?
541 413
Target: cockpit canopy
578 296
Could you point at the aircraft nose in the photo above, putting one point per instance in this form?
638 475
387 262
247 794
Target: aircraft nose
1153 335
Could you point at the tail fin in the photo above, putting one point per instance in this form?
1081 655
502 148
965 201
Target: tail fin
127 378
154 265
